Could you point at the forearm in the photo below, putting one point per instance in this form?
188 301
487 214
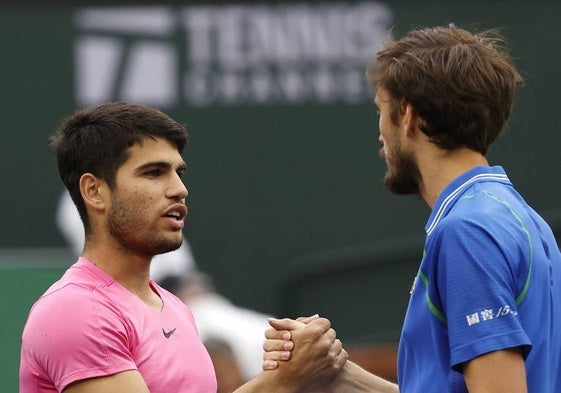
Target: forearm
354 379
497 372
267 381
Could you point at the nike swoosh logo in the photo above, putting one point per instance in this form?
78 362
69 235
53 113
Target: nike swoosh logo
168 334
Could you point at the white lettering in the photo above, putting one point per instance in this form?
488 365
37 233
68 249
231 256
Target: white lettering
150 75
198 26
472 319
97 62
266 54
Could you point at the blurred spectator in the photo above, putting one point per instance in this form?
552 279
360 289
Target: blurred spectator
228 373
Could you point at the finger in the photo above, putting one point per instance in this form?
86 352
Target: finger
317 335
270 365
341 359
331 335
277 345
322 325
277 355
285 324
307 320
336 348
272 333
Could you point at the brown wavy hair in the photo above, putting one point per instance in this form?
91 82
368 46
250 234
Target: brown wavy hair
462 84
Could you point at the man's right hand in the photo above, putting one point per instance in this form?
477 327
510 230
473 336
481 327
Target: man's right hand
306 352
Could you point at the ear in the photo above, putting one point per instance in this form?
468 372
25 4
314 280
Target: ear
94 191
411 120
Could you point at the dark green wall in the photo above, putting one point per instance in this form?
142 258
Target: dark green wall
275 190
21 282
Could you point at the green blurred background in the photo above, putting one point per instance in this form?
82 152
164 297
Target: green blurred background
287 210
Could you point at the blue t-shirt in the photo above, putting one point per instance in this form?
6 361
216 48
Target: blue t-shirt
490 279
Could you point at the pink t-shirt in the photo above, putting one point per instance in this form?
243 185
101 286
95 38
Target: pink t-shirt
88 325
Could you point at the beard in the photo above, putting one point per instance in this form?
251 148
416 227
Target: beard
402 175
126 226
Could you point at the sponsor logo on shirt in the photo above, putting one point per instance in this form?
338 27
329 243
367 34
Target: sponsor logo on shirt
490 314
168 334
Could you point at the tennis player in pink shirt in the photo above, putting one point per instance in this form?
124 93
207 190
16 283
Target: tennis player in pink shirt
105 326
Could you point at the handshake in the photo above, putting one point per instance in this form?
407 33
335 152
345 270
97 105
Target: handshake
305 355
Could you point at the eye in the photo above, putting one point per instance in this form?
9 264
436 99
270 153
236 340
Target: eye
181 171
153 173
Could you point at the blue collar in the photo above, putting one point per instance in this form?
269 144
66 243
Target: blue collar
458 185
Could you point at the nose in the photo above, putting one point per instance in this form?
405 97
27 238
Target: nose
178 189
184 192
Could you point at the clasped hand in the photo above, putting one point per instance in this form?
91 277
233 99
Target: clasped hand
305 351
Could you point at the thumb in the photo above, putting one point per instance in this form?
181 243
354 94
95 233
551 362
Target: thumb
286 324
307 320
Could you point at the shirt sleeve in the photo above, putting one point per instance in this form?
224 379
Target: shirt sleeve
478 283
70 336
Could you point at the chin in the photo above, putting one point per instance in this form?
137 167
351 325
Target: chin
167 245
401 182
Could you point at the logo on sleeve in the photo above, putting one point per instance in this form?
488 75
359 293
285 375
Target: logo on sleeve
490 314
168 334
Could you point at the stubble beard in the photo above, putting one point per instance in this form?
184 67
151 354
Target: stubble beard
127 229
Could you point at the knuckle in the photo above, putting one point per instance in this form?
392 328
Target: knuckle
325 345
326 322
316 331
267 345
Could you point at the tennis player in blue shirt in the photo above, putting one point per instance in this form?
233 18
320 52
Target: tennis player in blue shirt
485 310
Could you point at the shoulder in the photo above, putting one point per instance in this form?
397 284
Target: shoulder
73 333
71 317
62 303
485 212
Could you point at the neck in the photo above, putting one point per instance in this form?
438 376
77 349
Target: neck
439 168
130 270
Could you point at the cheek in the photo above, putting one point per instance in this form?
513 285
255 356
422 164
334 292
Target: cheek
381 124
385 126
391 152
142 198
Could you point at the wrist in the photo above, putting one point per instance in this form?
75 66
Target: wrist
271 382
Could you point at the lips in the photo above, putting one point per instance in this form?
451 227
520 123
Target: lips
177 211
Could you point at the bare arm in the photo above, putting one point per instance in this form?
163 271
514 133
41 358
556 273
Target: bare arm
497 372
354 379
268 382
125 382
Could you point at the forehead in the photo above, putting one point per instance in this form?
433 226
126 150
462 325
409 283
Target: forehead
153 149
382 95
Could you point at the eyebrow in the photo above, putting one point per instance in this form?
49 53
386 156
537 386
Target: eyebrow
162 165
378 99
